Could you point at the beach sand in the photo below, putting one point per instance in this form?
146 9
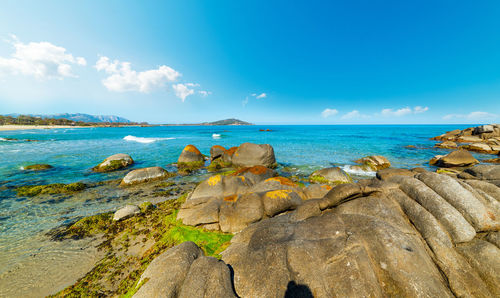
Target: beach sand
25 127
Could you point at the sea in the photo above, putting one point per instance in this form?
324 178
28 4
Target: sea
72 152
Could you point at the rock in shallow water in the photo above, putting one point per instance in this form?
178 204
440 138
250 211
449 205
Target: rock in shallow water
126 212
114 162
144 175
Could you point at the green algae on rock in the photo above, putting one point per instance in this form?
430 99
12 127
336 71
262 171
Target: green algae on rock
50 189
37 167
113 163
133 243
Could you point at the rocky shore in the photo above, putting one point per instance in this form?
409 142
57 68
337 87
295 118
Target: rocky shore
251 229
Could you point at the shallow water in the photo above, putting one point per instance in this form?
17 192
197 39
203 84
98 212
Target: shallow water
73 152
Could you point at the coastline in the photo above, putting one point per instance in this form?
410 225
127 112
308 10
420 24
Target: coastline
11 127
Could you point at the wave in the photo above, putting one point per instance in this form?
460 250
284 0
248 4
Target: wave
216 136
358 172
144 140
3 139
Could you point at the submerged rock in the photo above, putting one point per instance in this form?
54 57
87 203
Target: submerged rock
114 162
37 167
144 175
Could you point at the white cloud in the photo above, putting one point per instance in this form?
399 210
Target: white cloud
397 113
353 115
182 91
245 101
122 78
403 111
204 93
262 95
419 109
471 116
42 60
329 112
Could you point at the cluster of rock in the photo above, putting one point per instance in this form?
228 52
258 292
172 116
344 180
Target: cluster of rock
405 233
483 139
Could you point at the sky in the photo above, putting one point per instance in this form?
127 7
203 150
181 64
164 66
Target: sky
266 62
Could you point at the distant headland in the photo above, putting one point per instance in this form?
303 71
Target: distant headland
66 120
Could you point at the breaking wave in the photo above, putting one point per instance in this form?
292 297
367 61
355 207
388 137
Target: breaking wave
358 172
144 140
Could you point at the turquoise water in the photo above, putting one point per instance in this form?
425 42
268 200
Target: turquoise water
73 152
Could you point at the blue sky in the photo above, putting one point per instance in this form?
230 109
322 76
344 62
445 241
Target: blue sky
269 62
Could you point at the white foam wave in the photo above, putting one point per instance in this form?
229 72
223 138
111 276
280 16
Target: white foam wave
216 136
3 139
144 140
359 172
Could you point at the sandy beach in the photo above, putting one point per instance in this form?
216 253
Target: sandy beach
25 127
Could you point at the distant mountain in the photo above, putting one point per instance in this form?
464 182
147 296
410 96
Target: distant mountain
231 121
83 117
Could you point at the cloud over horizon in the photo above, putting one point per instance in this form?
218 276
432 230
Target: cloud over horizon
403 111
42 60
122 78
329 112
477 115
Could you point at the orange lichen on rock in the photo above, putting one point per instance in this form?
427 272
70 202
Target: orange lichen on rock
231 198
283 181
278 194
219 147
192 148
231 151
327 187
256 170
214 180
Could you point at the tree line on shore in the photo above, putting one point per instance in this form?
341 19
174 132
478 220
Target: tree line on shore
31 120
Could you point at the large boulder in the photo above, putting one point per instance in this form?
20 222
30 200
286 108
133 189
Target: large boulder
216 152
144 175
334 175
483 129
114 162
249 154
459 158
374 162
190 159
183 271
485 172
481 148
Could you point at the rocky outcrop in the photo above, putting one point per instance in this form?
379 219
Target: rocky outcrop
373 163
459 158
183 271
407 237
483 138
249 154
144 175
404 234
334 175
230 203
114 162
